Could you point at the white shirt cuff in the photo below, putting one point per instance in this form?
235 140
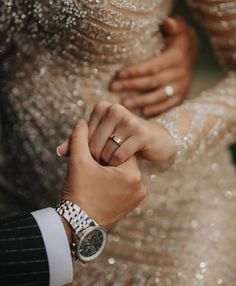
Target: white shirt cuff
57 246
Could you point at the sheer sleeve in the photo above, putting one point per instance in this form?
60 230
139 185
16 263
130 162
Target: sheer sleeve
209 121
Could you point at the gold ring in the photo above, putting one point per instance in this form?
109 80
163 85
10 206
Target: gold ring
116 139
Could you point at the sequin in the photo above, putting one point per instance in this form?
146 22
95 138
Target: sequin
59 57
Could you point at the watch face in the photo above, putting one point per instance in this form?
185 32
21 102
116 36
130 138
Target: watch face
91 243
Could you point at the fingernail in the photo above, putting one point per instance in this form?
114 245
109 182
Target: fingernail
58 151
128 103
116 86
123 74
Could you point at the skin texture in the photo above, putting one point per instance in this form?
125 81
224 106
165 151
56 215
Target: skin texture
144 138
148 79
106 194
149 139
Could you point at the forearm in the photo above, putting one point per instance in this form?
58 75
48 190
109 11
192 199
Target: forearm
205 122
68 230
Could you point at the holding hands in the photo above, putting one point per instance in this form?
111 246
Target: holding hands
163 81
103 175
116 135
106 194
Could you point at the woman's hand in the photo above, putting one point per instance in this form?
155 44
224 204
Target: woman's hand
147 138
163 81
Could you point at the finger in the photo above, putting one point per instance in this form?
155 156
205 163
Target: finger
110 147
168 59
151 98
140 83
98 112
79 147
174 26
104 130
129 148
149 83
154 110
96 116
63 149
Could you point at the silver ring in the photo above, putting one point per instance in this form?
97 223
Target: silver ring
169 91
116 139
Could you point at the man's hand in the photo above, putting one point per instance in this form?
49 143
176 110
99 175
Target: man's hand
106 194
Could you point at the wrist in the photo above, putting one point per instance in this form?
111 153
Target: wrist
168 148
68 230
87 239
162 145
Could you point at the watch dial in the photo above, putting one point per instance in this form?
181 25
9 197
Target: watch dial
91 243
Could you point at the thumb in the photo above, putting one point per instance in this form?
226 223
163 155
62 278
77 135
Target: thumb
78 145
63 149
174 26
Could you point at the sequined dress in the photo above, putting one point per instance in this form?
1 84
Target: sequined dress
59 57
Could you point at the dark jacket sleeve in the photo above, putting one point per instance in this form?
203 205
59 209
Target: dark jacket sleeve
23 257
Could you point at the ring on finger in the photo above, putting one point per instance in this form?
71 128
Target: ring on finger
169 90
116 139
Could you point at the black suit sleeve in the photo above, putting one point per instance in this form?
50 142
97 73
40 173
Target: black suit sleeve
23 257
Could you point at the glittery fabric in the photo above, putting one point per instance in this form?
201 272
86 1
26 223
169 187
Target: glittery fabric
59 57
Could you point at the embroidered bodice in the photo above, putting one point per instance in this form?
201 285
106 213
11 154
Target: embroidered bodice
59 57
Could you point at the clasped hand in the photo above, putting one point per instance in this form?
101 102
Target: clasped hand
137 136
147 81
103 176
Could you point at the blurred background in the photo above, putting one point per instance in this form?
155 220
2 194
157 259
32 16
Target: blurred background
207 70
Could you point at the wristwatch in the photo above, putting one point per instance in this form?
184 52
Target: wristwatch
89 238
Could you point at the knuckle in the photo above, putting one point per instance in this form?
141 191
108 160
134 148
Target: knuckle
142 130
116 110
135 180
142 192
130 122
101 106
74 136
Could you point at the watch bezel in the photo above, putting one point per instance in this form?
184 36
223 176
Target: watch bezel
80 238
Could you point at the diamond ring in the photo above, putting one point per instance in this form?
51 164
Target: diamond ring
169 90
116 139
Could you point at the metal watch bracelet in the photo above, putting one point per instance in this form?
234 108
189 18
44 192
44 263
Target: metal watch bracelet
72 213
